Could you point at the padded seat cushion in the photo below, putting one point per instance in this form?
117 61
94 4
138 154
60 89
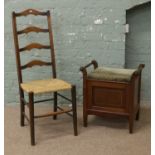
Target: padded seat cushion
112 74
44 86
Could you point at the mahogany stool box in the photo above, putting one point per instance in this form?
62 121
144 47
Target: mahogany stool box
111 92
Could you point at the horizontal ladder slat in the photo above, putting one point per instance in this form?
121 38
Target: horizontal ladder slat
31 12
53 113
32 29
36 63
34 45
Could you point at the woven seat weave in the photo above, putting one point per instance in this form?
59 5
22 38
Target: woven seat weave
44 86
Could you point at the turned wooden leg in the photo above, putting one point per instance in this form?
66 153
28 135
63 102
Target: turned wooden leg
55 105
85 116
31 111
137 115
73 92
22 109
131 122
85 119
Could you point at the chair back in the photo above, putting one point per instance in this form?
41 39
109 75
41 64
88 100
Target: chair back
29 47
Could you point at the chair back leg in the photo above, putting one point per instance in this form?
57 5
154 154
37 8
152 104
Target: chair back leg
22 108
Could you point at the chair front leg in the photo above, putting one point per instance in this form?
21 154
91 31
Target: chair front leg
31 112
55 105
22 108
73 92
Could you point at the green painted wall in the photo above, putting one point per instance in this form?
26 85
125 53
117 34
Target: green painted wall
83 30
138 45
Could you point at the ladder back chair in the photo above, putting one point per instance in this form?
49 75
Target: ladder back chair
34 87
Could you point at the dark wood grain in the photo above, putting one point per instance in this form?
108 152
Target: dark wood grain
55 105
32 29
31 115
73 94
36 63
111 98
34 45
53 113
31 12
51 43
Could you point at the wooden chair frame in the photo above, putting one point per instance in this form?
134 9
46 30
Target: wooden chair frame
126 95
31 101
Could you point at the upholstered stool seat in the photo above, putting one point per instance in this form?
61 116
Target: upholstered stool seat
112 74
